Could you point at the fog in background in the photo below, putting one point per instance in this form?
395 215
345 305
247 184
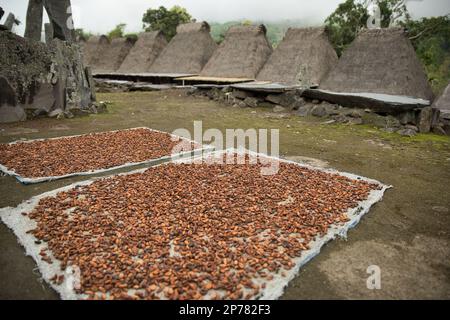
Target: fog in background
100 16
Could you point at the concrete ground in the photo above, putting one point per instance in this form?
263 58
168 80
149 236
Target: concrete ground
407 235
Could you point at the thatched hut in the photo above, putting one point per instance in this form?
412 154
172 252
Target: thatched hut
304 57
443 102
188 51
144 52
380 61
241 55
113 57
93 50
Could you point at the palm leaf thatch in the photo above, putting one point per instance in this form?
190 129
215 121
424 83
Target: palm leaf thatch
188 51
380 61
241 55
144 52
304 57
443 102
93 50
113 57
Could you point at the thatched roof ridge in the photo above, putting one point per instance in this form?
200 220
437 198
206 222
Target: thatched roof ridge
114 55
304 57
380 61
443 102
187 52
241 55
194 27
93 49
247 29
144 52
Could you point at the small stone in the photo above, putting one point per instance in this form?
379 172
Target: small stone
298 104
304 111
340 118
319 111
355 121
242 95
439 130
278 109
274 98
412 127
408 117
354 113
392 123
407 132
68 114
331 109
251 102
55 113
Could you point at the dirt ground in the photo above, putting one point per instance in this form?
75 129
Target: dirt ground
407 235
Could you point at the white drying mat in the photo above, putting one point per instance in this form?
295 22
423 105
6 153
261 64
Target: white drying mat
274 288
25 180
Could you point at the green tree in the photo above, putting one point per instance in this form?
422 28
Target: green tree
165 20
431 39
117 32
352 15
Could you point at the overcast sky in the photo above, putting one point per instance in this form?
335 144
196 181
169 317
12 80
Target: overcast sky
100 16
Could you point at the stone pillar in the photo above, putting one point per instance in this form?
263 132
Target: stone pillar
91 83
48 33
425 120
33 28
10 21
59 13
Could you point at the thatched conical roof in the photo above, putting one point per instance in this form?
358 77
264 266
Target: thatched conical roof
443 102
188 51
380 61
93 50
304 57
241 55
115 54
144 52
